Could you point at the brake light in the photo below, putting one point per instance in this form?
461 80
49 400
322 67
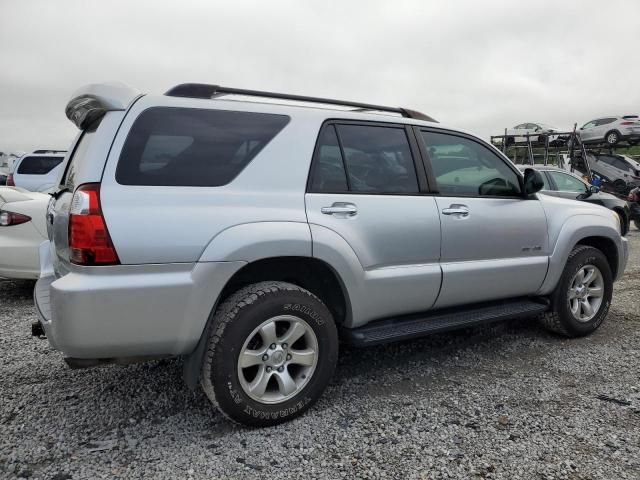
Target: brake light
89 239
10 182
627 123
8 219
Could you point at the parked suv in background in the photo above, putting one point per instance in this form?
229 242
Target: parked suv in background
611 130
250 233
39 171
621 171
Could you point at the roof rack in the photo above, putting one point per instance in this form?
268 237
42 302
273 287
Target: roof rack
201 90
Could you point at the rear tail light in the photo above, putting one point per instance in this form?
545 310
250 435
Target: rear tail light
10 182
627 123
89 240
8 219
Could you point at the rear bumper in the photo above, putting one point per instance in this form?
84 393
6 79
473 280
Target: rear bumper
130 310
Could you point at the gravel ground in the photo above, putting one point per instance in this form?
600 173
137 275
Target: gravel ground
506 401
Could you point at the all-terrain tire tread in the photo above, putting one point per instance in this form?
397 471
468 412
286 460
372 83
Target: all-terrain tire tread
226 313
551 320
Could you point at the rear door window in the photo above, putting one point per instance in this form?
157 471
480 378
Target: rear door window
38 165
364 159
170 146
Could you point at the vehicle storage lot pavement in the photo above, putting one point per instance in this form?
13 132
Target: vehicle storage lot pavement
507 401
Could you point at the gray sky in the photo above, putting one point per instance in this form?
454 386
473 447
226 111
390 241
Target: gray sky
478 65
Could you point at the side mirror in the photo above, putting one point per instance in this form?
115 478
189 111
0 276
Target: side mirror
533 182
594 189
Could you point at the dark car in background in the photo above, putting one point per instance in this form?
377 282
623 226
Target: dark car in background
560 183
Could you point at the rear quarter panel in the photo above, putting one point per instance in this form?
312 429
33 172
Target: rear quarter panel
160 224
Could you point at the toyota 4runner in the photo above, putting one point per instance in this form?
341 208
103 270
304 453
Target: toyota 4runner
251 232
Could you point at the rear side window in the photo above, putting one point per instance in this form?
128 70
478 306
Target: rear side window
78 155
170 146
364 159
38 165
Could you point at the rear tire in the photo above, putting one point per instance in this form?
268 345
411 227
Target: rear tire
612 138
273 348
620 186
586 271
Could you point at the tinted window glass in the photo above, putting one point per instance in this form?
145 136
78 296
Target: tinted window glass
545 181
378 159
38 165
78 155
464 167
193 147
622 165
329 174
606 121
605 159
567 183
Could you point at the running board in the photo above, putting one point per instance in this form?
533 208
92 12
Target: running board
420 325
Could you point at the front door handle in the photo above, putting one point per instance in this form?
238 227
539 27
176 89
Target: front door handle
457 210
341 209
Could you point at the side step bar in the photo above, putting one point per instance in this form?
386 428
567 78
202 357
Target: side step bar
420 325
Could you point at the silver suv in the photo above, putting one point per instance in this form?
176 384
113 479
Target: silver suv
251 231
611 130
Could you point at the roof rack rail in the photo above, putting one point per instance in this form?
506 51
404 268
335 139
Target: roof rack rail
201 90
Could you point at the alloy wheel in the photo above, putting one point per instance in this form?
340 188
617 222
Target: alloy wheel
585 294
278 359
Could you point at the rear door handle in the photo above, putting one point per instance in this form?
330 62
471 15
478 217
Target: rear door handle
341 209
457 210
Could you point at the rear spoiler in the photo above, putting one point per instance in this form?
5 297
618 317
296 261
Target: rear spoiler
91 102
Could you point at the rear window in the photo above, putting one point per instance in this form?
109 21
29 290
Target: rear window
170 146
38 165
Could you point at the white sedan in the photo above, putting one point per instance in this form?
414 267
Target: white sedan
22 230
537 134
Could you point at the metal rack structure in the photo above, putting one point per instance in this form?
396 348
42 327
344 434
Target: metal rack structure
571 154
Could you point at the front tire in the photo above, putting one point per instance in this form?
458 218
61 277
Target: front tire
273 348
580 301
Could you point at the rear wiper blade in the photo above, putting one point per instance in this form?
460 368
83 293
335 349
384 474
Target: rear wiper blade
57 194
